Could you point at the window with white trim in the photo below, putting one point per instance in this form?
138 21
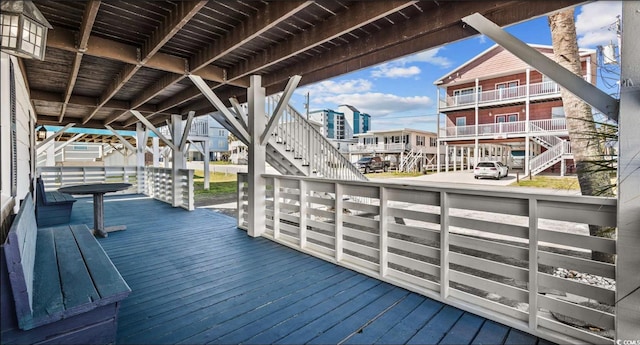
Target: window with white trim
461 121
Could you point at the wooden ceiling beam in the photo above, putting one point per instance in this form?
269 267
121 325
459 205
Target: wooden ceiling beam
359 14
64 39
177 20
84 101
335 26
419 34
88 19
273 14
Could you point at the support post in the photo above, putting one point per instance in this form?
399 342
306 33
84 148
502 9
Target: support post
51 152
156 151
177 159
207 178
628 242
257 157
141 144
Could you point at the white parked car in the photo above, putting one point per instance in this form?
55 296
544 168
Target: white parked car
493 169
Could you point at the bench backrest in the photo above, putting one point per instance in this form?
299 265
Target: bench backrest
20 252
40 194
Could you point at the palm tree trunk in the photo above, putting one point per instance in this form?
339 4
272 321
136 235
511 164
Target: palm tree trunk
585 143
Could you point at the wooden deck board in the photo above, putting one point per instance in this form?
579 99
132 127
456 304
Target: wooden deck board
196 278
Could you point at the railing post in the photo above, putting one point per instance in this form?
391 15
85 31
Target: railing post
338 203
303 213
444 245
276 208
383 197
533 264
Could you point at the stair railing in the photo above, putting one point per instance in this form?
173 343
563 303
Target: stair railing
307 143
549 157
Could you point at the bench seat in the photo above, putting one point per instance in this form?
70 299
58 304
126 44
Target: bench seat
74 290
52 207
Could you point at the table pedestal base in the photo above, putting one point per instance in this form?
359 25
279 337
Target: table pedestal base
108 229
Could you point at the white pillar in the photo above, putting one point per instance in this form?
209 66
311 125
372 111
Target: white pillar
628 242
141 144
178 160
527 153
205 149
446 157
156 151
257 157
50 152
455 154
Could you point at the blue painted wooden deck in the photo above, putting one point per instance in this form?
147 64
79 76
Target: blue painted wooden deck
197 279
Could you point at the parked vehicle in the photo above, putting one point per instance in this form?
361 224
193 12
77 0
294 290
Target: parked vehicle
493 169
369 164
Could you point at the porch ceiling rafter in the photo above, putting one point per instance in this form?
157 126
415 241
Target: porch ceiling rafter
253 27
386 46
178 19
85 32
64 39
361 14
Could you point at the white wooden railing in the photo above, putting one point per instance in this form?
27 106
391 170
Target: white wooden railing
502 128
60 176
160 186
308 144
549 157
154 182
369 148
506 94
489 252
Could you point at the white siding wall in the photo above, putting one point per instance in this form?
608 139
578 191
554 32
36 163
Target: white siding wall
24 131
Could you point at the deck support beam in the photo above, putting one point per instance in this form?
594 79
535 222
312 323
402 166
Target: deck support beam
257 157
142 134
177 158
575 84
628 242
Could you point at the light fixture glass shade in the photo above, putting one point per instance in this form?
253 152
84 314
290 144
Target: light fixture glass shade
23 29
42 133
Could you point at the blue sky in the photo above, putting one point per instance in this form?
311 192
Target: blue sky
401 94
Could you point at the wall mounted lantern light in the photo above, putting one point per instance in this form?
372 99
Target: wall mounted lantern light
42 133
24 29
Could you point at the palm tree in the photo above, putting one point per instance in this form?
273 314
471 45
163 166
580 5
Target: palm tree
585 143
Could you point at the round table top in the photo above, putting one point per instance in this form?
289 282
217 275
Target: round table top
94 188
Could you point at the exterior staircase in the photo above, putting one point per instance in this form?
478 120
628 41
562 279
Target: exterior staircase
411 161
557 150
297 148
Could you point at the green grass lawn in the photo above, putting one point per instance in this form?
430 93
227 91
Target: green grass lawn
567 182
219 183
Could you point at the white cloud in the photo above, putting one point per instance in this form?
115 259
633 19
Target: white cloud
329 87
482 39
403 68
389 71
594 23
429 56
378 104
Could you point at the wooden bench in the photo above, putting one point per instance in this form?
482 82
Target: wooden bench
64 287
52 207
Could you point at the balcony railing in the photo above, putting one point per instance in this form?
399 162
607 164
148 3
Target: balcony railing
500 254
499 95
503 128
199 128
397 147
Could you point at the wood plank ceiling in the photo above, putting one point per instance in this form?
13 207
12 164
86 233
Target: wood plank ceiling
104 58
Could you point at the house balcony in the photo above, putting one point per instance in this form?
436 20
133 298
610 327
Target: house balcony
503 130
537 91
379 148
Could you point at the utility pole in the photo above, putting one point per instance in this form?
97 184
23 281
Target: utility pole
306 105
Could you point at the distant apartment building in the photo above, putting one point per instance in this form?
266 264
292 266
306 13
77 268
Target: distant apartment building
496 107
342 124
